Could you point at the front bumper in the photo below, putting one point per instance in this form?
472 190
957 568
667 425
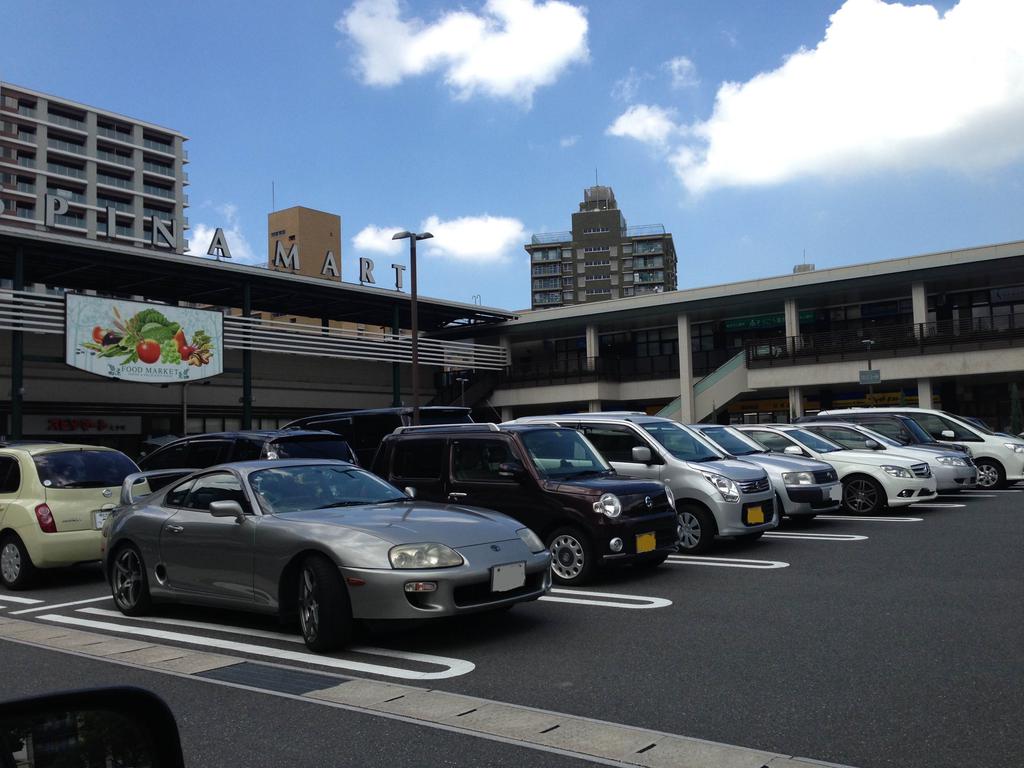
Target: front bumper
954 478
462 589
901 491
731 517
813 499
664 525
54 550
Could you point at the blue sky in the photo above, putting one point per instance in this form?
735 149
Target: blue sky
754 130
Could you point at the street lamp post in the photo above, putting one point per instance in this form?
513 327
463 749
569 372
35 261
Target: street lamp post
462 381
414 319
869 343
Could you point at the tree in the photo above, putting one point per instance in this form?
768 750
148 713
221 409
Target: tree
1016 414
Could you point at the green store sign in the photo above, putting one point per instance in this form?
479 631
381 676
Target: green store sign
774 320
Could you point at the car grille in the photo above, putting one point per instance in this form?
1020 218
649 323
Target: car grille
825 476
921 470
754 486
636 505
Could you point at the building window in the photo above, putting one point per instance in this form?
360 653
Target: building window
598 276
599 292
597 263
596 249
595 230
656 341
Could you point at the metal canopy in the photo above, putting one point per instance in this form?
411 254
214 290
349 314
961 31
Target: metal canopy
79 264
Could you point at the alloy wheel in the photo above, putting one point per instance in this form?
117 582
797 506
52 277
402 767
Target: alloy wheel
567 559
10 562
128 579
309 606
988 476
861 496
689 530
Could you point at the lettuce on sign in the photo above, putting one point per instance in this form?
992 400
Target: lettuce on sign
150 343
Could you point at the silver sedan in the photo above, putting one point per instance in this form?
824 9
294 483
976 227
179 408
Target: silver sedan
321 540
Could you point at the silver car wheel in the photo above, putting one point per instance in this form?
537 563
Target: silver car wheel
128 579
10 562
988 475
861 496
567 559
309 606
689 530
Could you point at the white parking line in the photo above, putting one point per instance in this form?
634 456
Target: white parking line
634 602
25 600
59 605
871 519
726 562
453 667
985 495
938 505
816 536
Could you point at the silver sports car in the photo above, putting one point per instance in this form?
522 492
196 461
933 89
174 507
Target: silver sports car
321 539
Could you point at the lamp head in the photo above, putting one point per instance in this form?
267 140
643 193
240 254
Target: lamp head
401 235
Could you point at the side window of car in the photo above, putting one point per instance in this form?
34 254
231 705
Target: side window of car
177 495
206 453
770 440
614 443
10 475
168 457
247 450
890 429
848 438
418 459
220 486
480 460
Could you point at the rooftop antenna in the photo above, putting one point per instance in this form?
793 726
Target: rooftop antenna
596 183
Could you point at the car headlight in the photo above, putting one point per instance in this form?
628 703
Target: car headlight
951 461
608 505
725 486
798 478
670 496
424 556
1015 447
531 540
898 471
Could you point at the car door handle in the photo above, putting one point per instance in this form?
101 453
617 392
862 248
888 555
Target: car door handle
455 496
175 528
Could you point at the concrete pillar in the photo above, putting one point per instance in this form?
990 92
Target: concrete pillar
593 347
506 413
594 406
796 403
506 344
919 299
792 317
686 406
924 393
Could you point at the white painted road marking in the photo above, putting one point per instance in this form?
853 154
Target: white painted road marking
965 495
871 519
635 602
816 536
60 605
939 505
453 667
25 600
726 562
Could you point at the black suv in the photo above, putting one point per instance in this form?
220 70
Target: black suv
364 429
201 451
546 477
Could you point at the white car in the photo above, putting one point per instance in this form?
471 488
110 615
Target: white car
1000 459
870 482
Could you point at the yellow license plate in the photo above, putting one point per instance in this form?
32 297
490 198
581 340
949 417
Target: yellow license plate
755 515
645 542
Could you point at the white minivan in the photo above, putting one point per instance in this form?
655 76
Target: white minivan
1000 459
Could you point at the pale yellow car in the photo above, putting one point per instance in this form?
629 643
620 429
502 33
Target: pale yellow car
54 499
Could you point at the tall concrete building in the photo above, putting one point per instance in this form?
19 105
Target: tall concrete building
601 258
305 241
89 172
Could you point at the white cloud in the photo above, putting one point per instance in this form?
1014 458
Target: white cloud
201 235
683 72
889 87
377 239
626 88
568 141
508 50
643 122
483 239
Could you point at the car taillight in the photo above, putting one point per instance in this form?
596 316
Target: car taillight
45 517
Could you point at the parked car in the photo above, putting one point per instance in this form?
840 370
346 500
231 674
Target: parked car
803 487
999 459
364 429
54 499
550 479
323 540
870 482
903 429
953 470
207 450
714 495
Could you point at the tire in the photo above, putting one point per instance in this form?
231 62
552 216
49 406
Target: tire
863 495
696 528
573 559
650 563
16 568
991 474
129 583
325 611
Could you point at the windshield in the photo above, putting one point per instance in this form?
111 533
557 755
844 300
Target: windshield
563 453
812 441
731 441
312 448
681 442
83 469
318 486
920 435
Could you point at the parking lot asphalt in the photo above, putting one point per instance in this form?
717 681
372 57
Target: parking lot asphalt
867 642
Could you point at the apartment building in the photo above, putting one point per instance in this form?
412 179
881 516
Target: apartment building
601 257
305 241
89 172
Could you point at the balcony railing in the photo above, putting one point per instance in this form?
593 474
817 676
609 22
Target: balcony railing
904 340
67 122
645 229
550 238
66 146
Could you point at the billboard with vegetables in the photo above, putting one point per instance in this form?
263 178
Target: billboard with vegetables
151 343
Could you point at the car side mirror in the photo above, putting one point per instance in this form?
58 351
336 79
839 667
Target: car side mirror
873 445
227 508
641 454
410 492
109 726
949 434
793 450
511 469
